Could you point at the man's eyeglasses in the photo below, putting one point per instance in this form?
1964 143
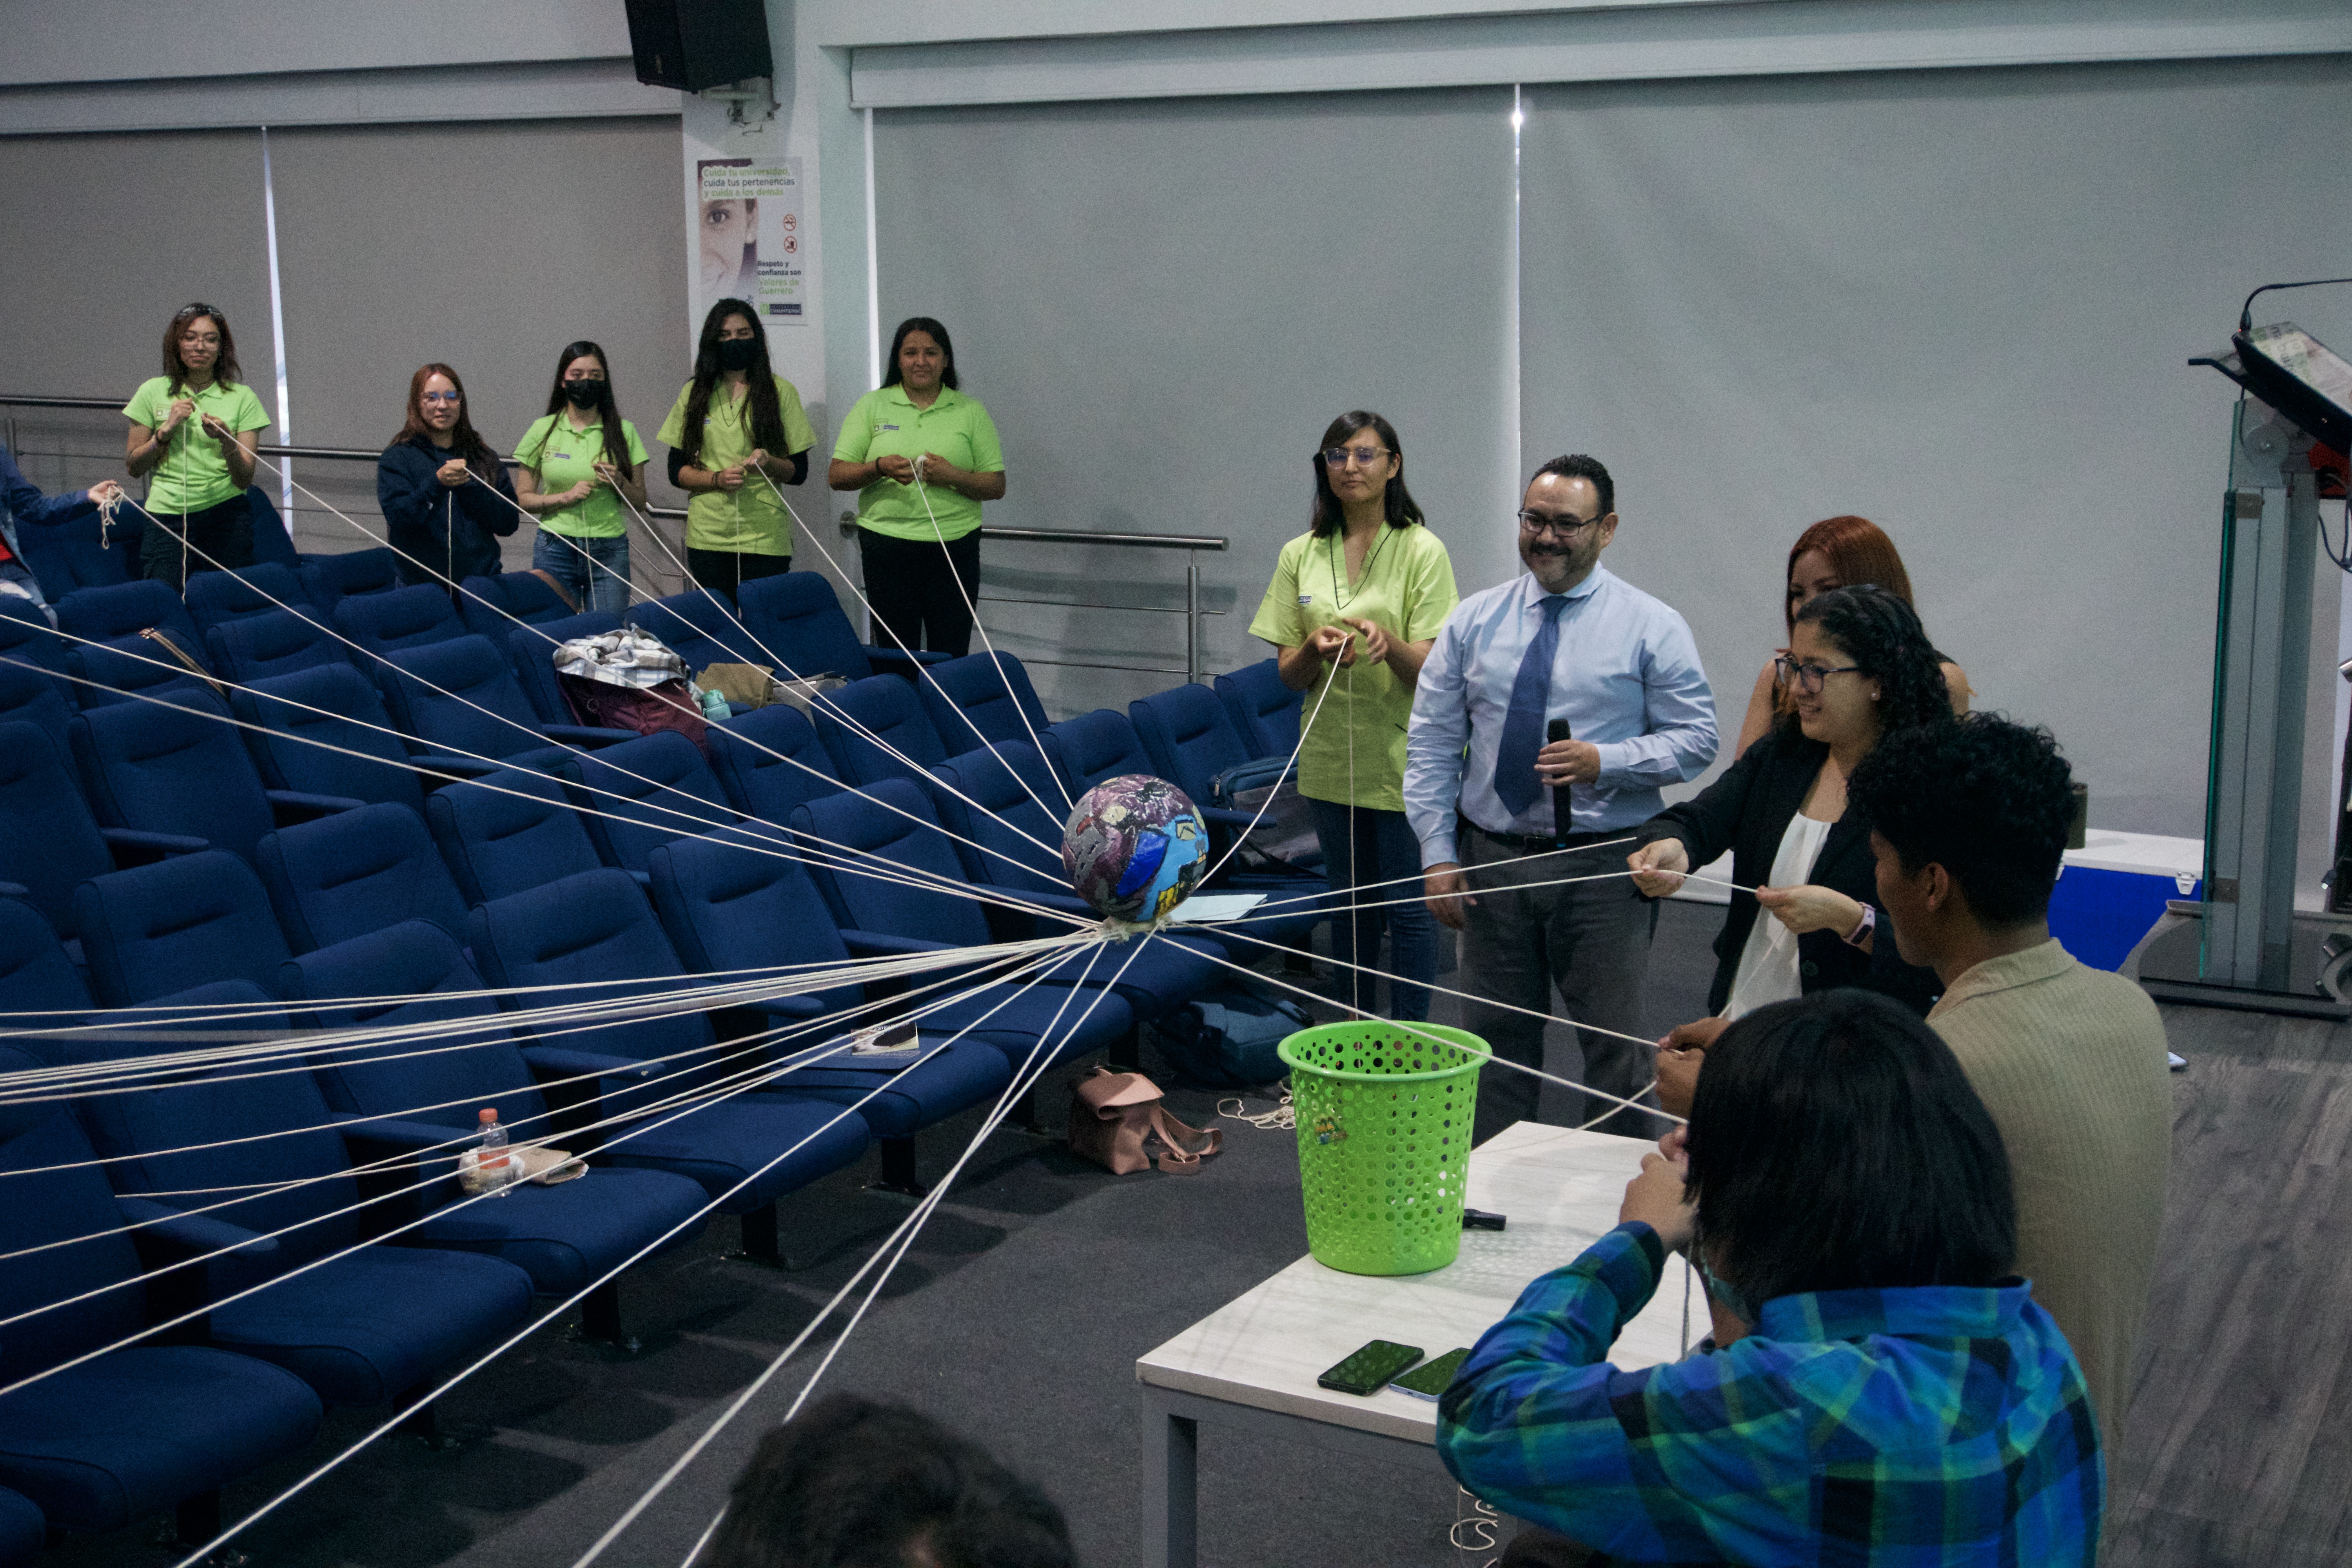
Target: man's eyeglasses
1808 677
1564 527
436 398
1364 457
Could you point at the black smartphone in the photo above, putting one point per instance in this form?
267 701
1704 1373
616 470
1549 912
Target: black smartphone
1368 1369
1431 1378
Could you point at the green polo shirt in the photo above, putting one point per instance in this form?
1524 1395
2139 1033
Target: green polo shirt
194 475
562 457
1353 751
885 424
751 520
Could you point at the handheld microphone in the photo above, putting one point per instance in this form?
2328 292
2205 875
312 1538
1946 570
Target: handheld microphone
1563 814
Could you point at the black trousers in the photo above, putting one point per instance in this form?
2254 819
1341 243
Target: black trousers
912 584
223 532
725 571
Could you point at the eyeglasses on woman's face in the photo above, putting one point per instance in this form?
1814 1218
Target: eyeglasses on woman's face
1808 676
1361 457
436 398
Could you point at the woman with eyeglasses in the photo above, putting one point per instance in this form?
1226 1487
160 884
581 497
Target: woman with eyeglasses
921 455
445 496
1835 553
1859 665
194 429
736 421
578 461
1352 611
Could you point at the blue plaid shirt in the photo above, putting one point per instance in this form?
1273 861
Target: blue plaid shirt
1934 1426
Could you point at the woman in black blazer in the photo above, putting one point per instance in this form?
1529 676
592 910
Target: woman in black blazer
1859 663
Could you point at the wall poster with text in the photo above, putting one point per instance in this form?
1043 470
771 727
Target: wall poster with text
749 238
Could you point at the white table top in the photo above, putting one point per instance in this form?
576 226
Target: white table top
1560 1190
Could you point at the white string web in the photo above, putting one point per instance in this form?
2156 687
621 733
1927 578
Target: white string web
231 1045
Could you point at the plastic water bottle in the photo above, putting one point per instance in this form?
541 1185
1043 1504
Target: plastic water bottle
493 1161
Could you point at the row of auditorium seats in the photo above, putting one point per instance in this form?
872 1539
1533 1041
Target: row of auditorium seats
382 885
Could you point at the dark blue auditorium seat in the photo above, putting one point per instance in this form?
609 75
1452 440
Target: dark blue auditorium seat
179 768
31 696
177 924
509 831
324 731
52 843
890 826
272 545
700 628
491 605
641 794
1264 709
981 698
137 1430
1094 746
275 644
218 598
532 655
796 616
36 974
733 901
366 1326
459 702
563 1237
864 718
26 639
79 553
404 617
770 760
569 941
23 1531
349 573
359 871
106 653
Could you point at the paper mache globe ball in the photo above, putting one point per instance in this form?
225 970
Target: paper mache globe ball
1134 847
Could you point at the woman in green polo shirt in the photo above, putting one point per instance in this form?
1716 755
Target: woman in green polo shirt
193 427
1354 607
735 421
921 456
575 464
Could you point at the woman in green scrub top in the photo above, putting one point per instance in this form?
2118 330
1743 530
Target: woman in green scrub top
735 421
921 456
575 464
1354 607
193 427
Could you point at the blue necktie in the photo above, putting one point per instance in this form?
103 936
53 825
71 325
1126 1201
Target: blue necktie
1523 725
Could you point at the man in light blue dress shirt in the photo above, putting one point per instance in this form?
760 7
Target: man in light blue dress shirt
1478 791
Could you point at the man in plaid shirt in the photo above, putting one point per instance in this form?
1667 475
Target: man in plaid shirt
1898 1401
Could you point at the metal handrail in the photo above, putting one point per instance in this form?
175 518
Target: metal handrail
1191 611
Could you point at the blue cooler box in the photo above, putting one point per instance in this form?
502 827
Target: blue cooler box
2113 888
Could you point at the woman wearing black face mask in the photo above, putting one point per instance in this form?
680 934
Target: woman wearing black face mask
575 464
734 422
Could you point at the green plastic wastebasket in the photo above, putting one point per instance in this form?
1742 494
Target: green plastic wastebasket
1384 1115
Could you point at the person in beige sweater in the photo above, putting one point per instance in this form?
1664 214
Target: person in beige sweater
1968 821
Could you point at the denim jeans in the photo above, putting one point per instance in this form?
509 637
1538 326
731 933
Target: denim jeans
1380 848
591 586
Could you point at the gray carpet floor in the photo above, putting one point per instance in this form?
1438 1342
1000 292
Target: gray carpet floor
1016 1319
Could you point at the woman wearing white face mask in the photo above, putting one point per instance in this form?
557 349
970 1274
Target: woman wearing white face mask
577 462
736 431
445 496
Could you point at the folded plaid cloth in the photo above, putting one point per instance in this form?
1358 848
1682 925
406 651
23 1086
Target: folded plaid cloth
624 658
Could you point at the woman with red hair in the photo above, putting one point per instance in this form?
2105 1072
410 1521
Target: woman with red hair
1835 553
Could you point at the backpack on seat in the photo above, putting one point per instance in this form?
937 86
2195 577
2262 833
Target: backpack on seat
1228 1038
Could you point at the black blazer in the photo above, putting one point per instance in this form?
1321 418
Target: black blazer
1747 811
